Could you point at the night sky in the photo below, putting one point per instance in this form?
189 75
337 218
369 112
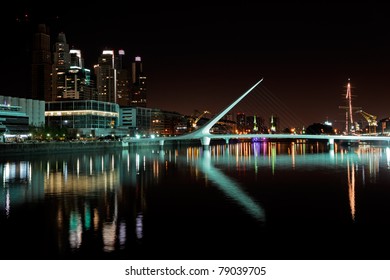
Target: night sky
202 57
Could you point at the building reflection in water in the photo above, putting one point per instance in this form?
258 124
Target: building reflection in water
110 226
388 157
88 188
139 225
75 230
19 184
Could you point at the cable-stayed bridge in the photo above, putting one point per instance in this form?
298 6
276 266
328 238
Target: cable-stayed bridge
205 136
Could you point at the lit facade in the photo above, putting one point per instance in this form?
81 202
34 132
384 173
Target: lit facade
79 84
12 121
274 124
61 64
34 109
106 80
85 117
165 123
138 120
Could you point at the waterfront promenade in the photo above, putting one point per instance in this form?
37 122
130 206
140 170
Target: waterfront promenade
7 149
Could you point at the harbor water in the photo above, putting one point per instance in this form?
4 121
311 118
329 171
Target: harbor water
245 200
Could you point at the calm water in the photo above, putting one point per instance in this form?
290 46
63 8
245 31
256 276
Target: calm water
241 201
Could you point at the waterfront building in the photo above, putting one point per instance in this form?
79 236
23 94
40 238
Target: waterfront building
89 118
166 123
33 109
13 123
149 122
137 120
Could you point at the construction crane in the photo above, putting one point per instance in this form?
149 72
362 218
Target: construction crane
195 122
371 119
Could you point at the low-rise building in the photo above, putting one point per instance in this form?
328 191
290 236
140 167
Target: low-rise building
83 117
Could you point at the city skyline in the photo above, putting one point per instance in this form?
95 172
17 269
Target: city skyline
202 58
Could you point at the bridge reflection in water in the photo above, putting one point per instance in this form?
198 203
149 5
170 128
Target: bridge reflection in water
272 197
229 186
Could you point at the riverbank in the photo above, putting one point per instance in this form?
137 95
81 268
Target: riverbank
32 148
7 149
26 148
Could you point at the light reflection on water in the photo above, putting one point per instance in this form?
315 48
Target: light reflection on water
126 201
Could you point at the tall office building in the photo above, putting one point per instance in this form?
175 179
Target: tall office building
123 85
41 65
61 64
138 84
79 83
106 79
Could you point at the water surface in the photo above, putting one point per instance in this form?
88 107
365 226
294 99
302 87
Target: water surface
263 200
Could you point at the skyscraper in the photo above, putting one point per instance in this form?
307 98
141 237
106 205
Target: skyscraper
123 86
138 84
79 84
61 63
106 79
41 65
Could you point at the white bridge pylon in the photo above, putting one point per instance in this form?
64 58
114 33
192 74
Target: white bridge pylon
203 133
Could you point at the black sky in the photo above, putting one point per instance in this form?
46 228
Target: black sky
202 57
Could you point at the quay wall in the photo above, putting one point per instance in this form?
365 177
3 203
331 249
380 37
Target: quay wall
7 149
